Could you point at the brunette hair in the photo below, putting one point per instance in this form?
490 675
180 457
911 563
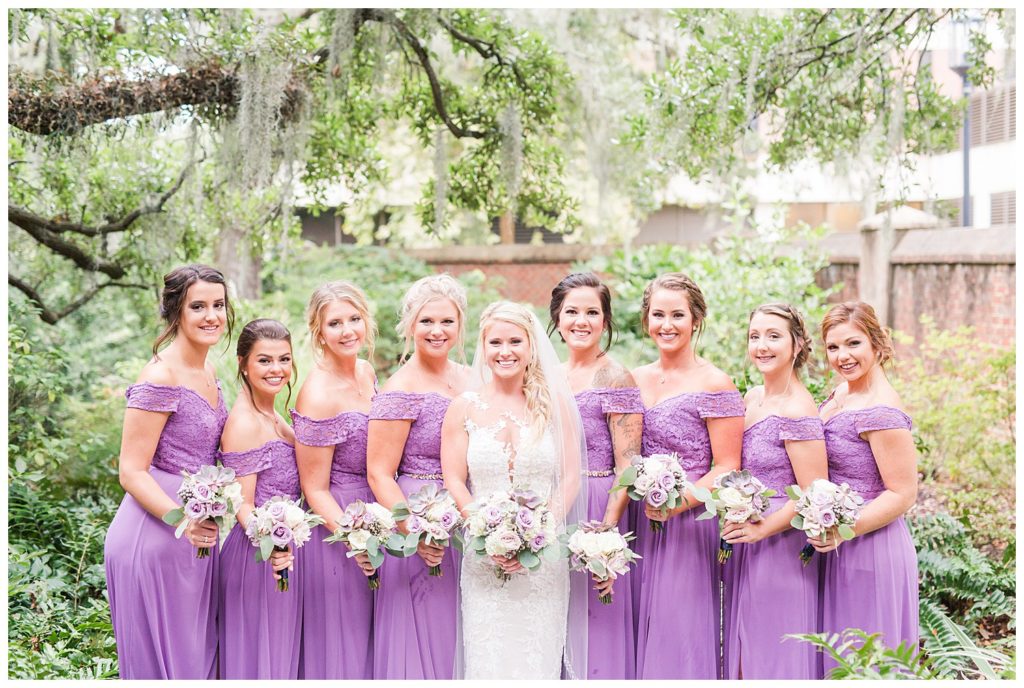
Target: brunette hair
676 281
338 290
172 298
862 315
802 342
259 330
575 281
423 291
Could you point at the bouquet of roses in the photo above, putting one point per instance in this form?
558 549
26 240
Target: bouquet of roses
658 479
600 549
824 505
275 524
212 493
736 497
369 529
432 516
515 524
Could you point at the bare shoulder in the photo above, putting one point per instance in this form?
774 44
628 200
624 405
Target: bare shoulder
158 372
801 405
243 431
456 411
401 381
315 399
642 374
889 397
753 394
717 381
614 375
365 370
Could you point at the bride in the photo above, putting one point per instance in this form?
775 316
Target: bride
522 430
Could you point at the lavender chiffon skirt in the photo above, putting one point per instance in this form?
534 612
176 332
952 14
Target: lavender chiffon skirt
259 627
610 634
769 593
163 600
414 631
872 585
337 604
679 619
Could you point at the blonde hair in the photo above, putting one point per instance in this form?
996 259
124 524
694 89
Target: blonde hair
802 342
422 292
539 404
862 315
325 294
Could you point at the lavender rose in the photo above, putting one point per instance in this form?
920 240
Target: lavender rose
524 519
281 535
195 510
218 508
656 496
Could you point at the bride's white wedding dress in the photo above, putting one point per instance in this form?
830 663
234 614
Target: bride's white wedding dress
515 629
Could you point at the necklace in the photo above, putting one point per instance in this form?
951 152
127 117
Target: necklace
205 375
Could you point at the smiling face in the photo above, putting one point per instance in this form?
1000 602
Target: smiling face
670 320
342 329
770 343
581 320
849 351
268 368
436 328
507 349
203 313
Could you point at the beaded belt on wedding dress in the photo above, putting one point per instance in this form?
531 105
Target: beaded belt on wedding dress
424 476
600 474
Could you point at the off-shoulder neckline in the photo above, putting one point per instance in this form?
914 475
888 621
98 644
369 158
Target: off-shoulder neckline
266 444
418 394
605 389
329 418
775 415
220 392
683 394
866 408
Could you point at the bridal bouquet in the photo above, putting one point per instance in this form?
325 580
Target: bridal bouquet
658 479
601 550
516 524
275 524
369 529
736 497
823 506
211 493
432 516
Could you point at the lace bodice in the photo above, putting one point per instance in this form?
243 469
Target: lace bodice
274 465
346 432
595 405
422 453
191 435
677 425
850 459
764 450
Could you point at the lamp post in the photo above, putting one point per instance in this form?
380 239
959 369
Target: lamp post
959 45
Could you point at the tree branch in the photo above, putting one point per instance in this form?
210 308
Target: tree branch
71 251
51 316
485 49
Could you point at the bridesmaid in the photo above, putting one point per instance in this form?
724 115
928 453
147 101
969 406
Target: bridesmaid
163 600
693 409
330 419
415 614
769 592
612 412
258 626
873 585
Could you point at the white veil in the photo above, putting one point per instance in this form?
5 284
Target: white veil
569 495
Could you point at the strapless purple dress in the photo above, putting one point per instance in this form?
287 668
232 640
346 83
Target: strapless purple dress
610 634
415 613
679 627
163 600
337 603
259 627
768 591
872 583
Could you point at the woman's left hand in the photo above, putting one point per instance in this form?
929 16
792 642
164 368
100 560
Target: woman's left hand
603 587
282 560
747 533
832 541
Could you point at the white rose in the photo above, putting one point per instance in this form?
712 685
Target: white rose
591 545
357 539
382 515
293 516
233 493
610 541
300 533
477 526
732 498
502 541
643 483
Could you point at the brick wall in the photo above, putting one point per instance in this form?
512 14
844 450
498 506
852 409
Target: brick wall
527 282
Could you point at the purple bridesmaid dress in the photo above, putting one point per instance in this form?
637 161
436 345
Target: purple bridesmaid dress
610 633
872 583
259 627
337 603
163 600
415 613
680 617
769 592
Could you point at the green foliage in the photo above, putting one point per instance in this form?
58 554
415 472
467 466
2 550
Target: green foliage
744 269
952 652
860 655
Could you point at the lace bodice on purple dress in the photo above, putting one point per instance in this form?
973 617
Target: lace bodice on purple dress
764 450
677 425
346 432
849 456
595 405
274 466
422 453
192 433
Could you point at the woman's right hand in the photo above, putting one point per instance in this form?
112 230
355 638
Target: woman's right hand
363 559
202 533
430 554
507 565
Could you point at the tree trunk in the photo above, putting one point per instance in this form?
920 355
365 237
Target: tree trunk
235 259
